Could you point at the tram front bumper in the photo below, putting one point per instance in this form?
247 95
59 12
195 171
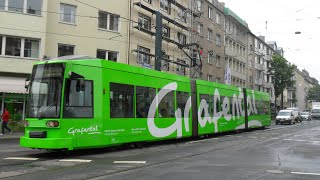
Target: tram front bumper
47 143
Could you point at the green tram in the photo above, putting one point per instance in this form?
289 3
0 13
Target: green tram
89 103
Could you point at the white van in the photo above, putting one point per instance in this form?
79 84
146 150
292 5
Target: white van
285 116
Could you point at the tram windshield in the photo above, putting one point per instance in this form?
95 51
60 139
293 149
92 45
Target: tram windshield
45 91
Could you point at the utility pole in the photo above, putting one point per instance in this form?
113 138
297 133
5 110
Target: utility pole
158 45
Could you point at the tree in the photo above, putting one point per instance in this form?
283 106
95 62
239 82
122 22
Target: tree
282 73
314 93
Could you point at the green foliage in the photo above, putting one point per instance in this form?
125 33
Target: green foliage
314 93
294 97
282 73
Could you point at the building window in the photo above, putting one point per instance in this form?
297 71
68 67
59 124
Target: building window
31 48
108 55
210 11
218 61
65 50
209 77
15 5
209 35
68 13
200 29
34 6
22 6
210 58
182 38
144 21
181 69
218 40
182 15
166 31
13 46
199 6
143 58
165 6
20 47
108 21
218 18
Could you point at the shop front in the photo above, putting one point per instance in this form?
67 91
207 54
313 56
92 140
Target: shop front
13 96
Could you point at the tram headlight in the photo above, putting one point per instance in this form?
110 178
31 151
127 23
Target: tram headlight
26 123
52 123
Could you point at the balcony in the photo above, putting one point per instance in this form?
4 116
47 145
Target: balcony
259 67
259 82
268 85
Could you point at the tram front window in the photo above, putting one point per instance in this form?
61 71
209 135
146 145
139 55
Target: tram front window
45 91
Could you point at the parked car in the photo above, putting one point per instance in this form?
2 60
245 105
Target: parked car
296 113
315 113
285 116
306 116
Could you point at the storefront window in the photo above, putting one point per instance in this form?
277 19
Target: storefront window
15 107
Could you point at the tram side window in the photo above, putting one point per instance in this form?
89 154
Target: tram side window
121 100
207 98
266 107
166 106
144 98
78 99
182 98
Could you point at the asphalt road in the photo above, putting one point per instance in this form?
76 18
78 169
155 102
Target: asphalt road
279 152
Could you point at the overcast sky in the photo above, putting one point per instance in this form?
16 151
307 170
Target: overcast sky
284 18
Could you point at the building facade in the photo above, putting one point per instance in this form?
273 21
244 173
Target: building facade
208 32
236 43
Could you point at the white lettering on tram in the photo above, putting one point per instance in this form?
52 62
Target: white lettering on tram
89 130
237 111
177 126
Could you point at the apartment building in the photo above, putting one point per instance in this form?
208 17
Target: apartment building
209 33
236 43
298 93
175 35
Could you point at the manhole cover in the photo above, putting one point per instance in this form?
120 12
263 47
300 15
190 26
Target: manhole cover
274 171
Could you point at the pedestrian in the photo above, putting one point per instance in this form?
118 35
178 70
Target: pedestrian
5 118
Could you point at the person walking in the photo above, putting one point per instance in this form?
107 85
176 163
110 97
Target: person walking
5 118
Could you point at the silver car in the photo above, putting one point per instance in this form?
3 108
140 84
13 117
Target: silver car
306 116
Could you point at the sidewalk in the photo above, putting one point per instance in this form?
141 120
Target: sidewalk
14 135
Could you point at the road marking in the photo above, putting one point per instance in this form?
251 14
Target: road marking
302 173
75 160
21 158
129 162
274 171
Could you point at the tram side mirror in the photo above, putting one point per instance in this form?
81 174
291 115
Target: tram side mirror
26 83
74 75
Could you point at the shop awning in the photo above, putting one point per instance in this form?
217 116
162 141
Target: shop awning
12 85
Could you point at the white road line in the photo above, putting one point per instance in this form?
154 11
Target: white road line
129 162
75 160
21 158
302 173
